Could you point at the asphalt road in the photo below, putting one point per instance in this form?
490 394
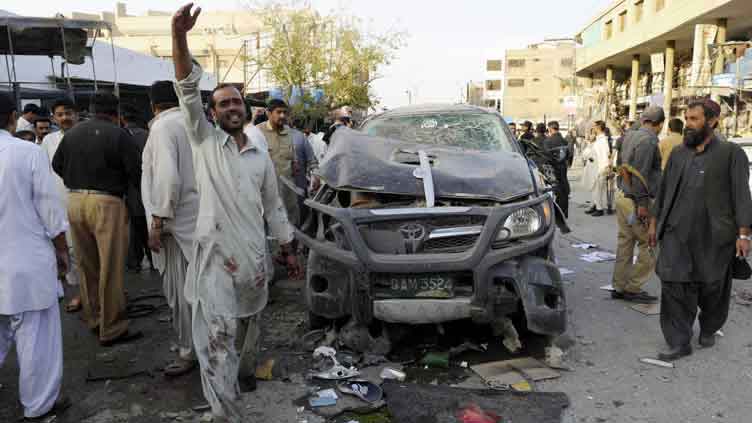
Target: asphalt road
607 382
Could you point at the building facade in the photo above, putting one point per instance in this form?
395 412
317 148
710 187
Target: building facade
493 86
538 82
637 53
220 42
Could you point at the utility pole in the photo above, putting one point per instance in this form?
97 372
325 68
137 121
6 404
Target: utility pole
409 96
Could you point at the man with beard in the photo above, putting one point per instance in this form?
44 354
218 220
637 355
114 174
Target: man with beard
170 197
640 175
65 114
226 284
702 220
558 149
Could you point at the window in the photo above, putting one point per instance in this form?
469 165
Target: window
516 63
638 9
567 62
622 21
565 83
609 29
532 100
515 83
493 65
536 79
493 85
659 5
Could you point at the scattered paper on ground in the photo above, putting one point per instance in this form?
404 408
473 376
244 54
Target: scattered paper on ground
564 271
659 363
598 257
608 288
647 309
585 246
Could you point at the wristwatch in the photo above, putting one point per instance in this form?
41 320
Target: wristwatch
745 237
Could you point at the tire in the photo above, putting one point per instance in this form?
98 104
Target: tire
317 322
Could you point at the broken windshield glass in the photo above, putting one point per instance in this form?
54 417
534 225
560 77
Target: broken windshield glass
475 131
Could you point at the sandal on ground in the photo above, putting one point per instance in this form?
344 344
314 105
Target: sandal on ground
179 367
74 305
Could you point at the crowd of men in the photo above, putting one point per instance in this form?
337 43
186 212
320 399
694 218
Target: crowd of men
688 193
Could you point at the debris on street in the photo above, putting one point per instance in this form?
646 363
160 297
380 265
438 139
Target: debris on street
337 371
474 414
584 246
598 257
659 363
647 309
391 374
264 372
436 360
324 398
607 288
363 389
409 403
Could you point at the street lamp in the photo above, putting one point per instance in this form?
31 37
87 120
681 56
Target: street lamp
409 96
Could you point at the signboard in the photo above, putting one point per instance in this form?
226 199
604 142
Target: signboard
657 63
570 104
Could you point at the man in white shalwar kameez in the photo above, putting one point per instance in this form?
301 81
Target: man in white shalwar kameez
599 152
65 115
170 197
33 222
226 284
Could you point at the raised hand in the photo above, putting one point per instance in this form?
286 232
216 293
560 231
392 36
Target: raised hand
183 21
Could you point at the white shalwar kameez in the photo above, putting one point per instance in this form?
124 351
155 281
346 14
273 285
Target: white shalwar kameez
168 191
50 144
226 282
31 213
600 153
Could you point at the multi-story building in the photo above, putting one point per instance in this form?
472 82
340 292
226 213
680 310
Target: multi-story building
538 82
493 90
474 94
220 43
641 52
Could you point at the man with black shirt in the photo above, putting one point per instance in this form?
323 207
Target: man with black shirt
42 127
527 133
701 217
557 147
138 245
98 162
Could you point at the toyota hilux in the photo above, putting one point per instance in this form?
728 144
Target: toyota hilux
430 214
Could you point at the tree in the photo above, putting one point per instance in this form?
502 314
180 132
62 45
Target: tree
306 50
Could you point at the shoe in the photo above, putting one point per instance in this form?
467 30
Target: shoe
616 295
122 339
641 297
591 210
597 213
672 354
609 211
707 341
247 384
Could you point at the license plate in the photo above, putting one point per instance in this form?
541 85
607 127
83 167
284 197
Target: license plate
414 286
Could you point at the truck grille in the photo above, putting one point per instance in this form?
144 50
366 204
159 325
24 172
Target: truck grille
446 234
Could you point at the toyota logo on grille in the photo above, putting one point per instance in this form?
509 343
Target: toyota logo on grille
413 235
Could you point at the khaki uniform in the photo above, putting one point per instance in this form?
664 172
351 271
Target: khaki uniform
628 275
282 153
667 145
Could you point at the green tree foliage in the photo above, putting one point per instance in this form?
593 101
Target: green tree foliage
333 52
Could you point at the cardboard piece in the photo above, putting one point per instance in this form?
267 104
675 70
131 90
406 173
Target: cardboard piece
505 370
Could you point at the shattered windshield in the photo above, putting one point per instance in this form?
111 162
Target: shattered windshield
475 131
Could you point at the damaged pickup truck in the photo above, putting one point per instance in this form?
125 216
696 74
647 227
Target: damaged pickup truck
428 215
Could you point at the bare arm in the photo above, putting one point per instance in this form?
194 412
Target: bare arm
188 76
182 23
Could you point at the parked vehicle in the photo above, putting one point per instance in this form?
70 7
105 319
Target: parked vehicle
431 214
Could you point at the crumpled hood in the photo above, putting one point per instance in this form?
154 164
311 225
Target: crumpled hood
358 161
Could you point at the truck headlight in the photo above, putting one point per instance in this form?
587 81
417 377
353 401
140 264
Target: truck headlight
521 223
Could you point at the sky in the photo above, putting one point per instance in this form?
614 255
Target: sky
447 43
